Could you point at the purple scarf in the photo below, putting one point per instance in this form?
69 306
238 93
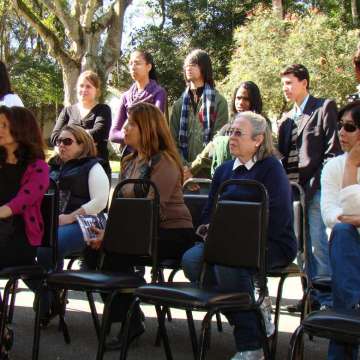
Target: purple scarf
147 95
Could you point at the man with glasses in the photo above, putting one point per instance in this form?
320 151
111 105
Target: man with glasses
307 139
340 207
199 113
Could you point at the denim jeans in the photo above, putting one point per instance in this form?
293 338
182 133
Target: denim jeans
246 330
345 264
70 240
318 248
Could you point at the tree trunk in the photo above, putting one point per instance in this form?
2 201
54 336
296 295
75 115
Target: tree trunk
277 6
70 72
354 13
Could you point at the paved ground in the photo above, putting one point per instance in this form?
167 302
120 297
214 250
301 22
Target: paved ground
84 343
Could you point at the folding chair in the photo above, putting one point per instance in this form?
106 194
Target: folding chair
49 210
228 246
293 270
135 221
342 326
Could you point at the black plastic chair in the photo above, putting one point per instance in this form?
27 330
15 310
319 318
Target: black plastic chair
135 220
293 270
49 210
231 223
342 326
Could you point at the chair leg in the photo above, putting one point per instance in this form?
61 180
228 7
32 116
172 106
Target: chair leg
12 302
162 329
192 332
277 316
5 305
62 309
296 344
104 325
218 322
36 341
162 279
126 328
94 313
172 275
204 336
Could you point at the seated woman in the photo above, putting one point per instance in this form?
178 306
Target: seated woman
155 157
251 145
88 113
84 189
24 178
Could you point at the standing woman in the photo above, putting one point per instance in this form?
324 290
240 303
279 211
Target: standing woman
24 178
7 97
246 97
144 89
88 113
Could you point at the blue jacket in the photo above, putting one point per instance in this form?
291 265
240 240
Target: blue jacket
272 175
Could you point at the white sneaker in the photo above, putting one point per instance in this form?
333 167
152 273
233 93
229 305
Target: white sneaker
249 355
266 308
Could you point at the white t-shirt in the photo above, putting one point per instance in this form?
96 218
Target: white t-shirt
336 200
11 100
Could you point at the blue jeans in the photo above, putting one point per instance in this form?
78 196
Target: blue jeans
246 329
70 240
318 248
345 264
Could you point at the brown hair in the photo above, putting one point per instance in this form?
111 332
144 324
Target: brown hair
26 132
155 134
82 137
92 78
299 71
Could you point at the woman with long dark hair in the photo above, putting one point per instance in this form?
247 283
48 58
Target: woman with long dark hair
246 97
144 89
24 178
7 96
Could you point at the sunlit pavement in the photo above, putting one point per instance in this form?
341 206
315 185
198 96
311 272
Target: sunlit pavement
84 343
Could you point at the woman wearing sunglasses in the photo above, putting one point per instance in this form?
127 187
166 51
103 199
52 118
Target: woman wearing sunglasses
246 97
24 178
84 189
88 113
250 142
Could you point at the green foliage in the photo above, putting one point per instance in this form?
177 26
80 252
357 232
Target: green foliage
37 81
266 45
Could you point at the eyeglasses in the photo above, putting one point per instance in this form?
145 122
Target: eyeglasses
235 132
65 141
348 127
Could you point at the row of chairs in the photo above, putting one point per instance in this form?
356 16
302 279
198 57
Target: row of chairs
146 234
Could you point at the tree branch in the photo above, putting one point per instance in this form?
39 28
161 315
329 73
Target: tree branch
111 49
55 47
91 7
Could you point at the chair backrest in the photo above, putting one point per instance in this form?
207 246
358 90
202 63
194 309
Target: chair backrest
203 184
195 204
50 214
132 224
298 195
238 230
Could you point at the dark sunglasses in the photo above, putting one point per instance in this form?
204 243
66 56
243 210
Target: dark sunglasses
65 141
348 127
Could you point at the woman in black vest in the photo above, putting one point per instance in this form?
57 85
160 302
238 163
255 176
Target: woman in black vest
79 176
